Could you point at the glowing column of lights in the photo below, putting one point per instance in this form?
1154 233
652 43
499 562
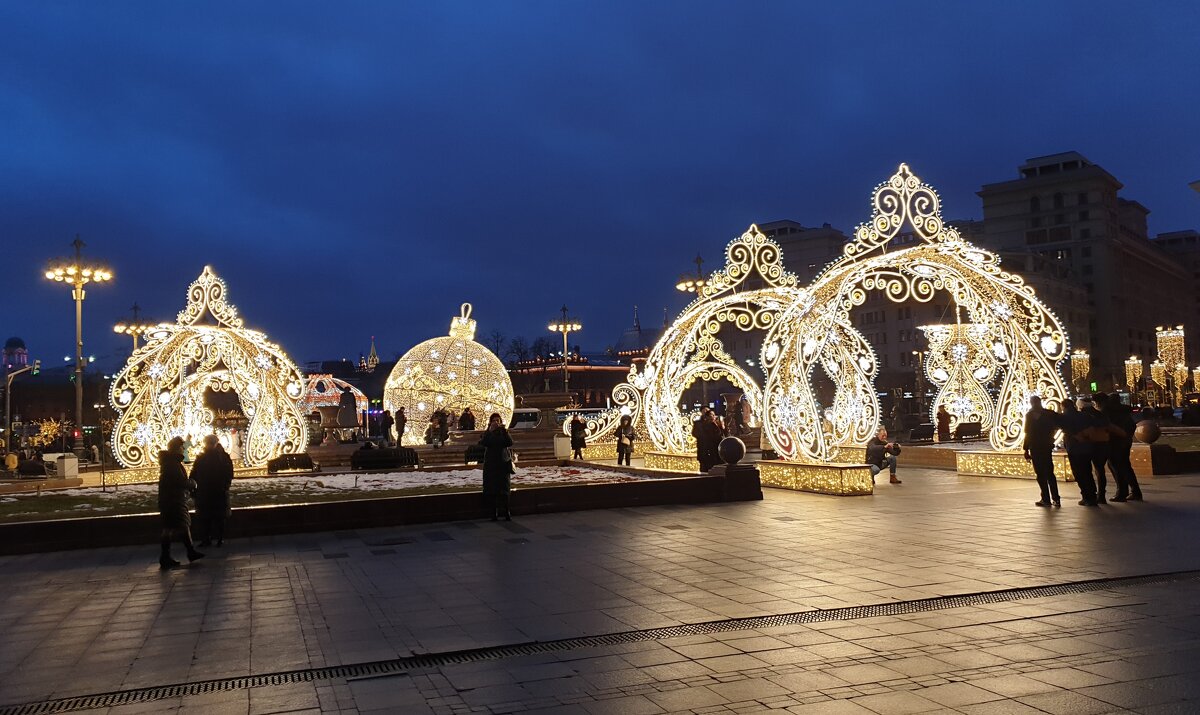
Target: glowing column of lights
960 362
77 273
566 326
1158 373
1133 372
1081 365
1171 353
1196 378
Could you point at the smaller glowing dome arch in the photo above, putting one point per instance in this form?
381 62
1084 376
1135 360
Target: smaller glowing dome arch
160 393
451 373
325 390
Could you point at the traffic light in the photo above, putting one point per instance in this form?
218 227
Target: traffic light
37 366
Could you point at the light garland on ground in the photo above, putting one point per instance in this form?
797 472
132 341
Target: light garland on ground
161 392
811 327
960 362
449 373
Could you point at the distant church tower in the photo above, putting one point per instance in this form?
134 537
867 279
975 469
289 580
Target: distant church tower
371 361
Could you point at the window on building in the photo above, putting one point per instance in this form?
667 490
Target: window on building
1086 251
1084 215
1035 204
1035 222
1060 219
1089 287
1058 201
1085 233
1083 199
1035 237
1087 270
885 360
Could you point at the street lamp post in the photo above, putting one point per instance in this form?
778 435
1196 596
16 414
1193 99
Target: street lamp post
133 328
566 326
35 367
77 274
918 370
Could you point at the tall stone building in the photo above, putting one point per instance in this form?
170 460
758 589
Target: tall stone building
1066 209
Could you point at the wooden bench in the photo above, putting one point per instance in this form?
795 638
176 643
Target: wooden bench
385 458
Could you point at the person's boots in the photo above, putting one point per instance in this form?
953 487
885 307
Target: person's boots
192 554
165 561
894 480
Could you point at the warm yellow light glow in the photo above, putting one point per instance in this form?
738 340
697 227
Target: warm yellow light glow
836 479
1008 464
325 390
1171 352
960 362
1081 366
449 373
167 386
1133 371
671 462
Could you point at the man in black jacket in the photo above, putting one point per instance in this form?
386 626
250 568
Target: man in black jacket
1119 448
1040 426
882 453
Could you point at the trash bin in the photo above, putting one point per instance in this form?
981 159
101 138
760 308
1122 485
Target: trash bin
67 466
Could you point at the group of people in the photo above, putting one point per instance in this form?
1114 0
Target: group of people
624 435
1097 433
708 431
208 485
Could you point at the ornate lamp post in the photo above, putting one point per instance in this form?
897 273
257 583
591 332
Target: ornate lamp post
566 326
133 328
77 273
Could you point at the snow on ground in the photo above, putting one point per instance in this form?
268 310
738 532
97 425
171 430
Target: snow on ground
326 483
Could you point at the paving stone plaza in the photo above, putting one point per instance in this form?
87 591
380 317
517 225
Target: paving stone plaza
797 604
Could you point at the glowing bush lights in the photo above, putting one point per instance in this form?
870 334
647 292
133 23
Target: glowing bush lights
1010 332
160 393
449 373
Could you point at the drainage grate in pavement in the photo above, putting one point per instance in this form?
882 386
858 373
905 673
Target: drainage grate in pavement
400 666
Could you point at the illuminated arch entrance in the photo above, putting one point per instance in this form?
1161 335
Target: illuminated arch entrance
161 391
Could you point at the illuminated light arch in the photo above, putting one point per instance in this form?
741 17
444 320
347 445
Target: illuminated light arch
1025 338
691 350
325 390
960 362
451 372
159 394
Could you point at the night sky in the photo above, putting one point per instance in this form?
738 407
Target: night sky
359 169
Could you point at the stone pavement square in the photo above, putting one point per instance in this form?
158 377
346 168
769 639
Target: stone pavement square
106 620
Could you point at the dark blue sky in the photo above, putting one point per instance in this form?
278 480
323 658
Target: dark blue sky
358 169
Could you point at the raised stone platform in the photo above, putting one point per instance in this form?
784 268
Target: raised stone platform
839 479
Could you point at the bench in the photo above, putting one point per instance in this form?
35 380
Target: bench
922 433
291 463
386 458
968 430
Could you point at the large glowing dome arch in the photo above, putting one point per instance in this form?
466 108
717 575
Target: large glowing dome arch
169 385
810 328
449 373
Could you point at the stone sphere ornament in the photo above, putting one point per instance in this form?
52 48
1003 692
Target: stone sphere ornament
731 450
1147 432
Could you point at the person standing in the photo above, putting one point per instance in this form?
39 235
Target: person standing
708 440
578 437
466 421
882 453
1077 427
385 428
943 424
497 467
401 422
1119 448
1101 432
1040 426
213 474
173 488
625 436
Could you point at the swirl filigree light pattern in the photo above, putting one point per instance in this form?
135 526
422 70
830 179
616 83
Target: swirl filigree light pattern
748 294
960 362
450 373
161 392
325 390
807 328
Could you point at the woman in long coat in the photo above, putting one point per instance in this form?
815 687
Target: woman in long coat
173 488
578 437
213 474
625 436
497 469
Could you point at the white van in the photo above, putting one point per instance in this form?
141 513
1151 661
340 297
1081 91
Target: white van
525 418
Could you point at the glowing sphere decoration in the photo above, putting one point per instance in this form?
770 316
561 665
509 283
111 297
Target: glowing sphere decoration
171 385
449 373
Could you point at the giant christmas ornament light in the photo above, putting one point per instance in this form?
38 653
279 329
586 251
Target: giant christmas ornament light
166 388
810 328
450 373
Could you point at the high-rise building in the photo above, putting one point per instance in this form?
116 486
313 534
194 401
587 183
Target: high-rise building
1067 210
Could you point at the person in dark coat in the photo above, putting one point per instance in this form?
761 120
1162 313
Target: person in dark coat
401 423
943 424
578 437
882 453
466 421
213 473
385 427
497 469
1121 418
173 488
1040 427
1102 431
1078 429
708 436
625 436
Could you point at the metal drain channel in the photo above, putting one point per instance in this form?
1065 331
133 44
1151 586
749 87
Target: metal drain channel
399 666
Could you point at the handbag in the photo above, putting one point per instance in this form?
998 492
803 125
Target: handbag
510 455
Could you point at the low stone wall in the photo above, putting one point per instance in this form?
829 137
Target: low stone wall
92 532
